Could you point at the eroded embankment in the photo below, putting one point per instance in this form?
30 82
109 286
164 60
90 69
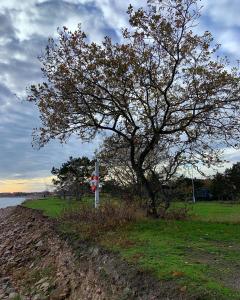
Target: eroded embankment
35 263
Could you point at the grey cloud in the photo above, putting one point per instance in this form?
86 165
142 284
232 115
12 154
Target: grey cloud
223 12
6 30
25 28
19 67
17 154
222 19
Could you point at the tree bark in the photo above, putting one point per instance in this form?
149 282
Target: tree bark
77 191
151 207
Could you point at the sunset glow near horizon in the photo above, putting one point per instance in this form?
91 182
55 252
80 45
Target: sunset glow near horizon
25 29
26 185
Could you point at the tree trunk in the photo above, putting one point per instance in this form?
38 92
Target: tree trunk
166 196
151 209
137 167
78 194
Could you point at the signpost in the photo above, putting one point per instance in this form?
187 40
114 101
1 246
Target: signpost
95 183
193 190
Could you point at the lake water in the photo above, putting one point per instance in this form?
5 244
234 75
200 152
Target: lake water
11 201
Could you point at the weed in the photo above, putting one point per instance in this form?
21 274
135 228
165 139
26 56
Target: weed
18 297
91 222
195 246
176 213
35 275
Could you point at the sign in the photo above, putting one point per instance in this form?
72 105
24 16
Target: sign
94 182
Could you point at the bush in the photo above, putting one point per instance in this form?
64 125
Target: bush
91 222
176 213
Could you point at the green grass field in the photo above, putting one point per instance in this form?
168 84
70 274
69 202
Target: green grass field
201 255
217 212
51 207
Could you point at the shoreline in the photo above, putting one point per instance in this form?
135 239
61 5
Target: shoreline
11 202
5 211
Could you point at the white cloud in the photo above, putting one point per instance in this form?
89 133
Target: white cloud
223 12
25 28
232 155
222 19
230 41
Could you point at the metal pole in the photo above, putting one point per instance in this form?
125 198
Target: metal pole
97 184
193 188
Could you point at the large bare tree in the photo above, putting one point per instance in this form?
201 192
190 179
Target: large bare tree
163 84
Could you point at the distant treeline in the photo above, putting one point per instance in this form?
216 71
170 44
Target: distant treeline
72 180
25 194
220 187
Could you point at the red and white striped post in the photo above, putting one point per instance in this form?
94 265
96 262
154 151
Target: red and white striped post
95 184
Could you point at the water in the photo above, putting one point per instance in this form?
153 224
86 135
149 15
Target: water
10 201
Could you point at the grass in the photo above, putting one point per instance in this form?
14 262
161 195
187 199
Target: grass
53 206
201 255
217 212
197 255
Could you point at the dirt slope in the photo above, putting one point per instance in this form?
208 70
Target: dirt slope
35 263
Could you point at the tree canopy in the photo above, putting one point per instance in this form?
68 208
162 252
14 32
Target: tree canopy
73 175
162 90
226 186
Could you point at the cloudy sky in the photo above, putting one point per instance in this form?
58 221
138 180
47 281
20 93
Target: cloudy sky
24 29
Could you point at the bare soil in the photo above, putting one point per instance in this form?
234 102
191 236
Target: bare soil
36 263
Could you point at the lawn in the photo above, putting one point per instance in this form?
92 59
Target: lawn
51 207
54 206
217 212
201 255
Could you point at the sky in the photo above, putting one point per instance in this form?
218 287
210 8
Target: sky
25 27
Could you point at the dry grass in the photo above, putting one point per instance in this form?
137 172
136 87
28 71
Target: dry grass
90 222
176 213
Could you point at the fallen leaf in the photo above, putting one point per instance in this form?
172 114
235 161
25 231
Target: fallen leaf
177 274
183 289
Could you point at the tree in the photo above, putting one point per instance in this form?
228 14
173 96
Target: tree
226 186
73 175
183 188
116 159
115 154
220 187
163 85
233 176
